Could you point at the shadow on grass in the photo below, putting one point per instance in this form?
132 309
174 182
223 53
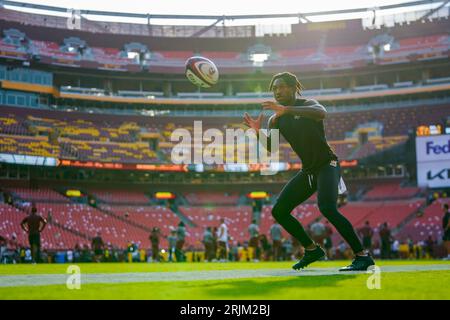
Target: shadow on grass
260 287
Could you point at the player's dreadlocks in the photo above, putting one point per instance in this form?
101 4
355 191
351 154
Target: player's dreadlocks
290 79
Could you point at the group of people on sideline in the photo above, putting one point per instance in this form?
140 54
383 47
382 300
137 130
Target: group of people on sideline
217 245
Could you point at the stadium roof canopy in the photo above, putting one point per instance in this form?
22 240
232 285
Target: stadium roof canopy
302 16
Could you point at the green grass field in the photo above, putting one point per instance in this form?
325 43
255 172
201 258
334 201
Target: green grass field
394 285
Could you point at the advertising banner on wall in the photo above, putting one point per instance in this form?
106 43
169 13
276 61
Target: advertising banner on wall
433 161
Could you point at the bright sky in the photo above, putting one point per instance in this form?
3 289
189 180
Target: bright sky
218 7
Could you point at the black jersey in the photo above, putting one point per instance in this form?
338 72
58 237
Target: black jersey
445 220
34 221
306 137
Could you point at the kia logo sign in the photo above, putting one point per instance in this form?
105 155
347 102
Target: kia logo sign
433 174
442 174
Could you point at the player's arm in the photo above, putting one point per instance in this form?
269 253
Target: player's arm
311 109
24 225
42 224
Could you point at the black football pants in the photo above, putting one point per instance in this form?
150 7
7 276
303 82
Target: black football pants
299 189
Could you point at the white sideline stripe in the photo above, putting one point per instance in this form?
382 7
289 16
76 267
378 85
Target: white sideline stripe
88 278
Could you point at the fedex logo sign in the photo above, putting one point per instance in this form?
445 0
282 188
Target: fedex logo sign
438 149
433 148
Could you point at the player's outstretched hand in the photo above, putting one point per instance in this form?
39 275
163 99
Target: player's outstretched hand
254 124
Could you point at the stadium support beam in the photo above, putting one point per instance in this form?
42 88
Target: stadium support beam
434 10
302 16
205 29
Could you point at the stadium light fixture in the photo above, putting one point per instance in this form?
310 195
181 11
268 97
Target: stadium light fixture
132 55
259 57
